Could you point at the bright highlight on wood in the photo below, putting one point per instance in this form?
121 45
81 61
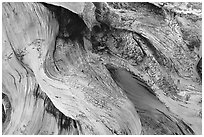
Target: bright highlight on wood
101 68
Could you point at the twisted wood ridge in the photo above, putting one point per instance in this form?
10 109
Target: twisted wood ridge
101 68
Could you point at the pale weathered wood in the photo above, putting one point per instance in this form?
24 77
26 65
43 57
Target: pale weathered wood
115 68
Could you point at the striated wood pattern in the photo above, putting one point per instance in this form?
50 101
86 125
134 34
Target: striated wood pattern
101 68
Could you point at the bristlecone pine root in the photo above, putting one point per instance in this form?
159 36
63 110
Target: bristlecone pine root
101 68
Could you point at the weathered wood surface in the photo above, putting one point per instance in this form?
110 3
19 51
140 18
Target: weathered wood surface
115 68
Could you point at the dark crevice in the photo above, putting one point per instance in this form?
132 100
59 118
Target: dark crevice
64 122
199 68
188 128
71 25
6 110
180 129
3 114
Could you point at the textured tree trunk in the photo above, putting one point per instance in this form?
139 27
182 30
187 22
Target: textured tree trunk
101 68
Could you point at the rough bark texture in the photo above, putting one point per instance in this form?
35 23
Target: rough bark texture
101 68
